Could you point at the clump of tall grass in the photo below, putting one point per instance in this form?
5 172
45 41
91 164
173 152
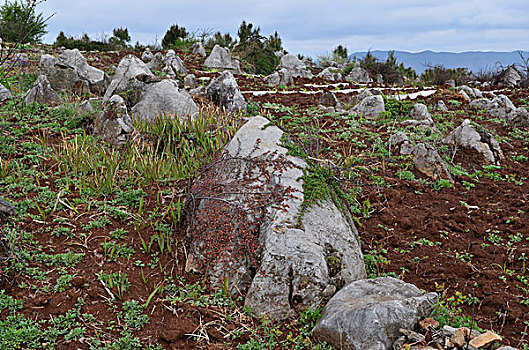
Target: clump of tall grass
168 149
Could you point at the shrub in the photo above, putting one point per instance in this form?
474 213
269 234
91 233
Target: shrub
438 75
224 40
176 37
255 51
392 71
118 41
19 22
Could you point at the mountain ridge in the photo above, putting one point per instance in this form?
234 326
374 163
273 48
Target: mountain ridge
473 60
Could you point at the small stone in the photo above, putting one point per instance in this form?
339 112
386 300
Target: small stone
461 336
427 324
507 348
449 331
484 340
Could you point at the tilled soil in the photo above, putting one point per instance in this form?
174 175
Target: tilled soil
456 240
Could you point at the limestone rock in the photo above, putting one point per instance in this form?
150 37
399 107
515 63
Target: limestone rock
173 65
42 93
156 62
6 208
429 162
441 106
164 98
130 78
300 264
62 77
147 55
86 106
5 94
359 75
328 99
224 92
330 74
469 137
198 49
190 81
113 124
296 68
368 314
370 107
461 337
510 78
220 59
96 78
282 77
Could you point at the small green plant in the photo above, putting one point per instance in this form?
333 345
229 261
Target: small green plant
442 183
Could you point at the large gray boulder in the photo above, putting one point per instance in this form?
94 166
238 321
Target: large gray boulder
114 124
427 161
420 117
296 68
370 107
62 76
225 93
303 258
359 75
475 138
131 76
500 106
281 77
5 94
96 78
220 59
164 98
42 93
367 314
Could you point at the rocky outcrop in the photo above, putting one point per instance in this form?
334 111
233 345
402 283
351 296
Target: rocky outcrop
368 314
220 59
475 138
370 107
71 72
190 82
420 116
510 78
225 93
198 49
173 65
296 68
164 98
130 78
147 55
96 78
427 161
359 75
330 74
282 77
303 258
42 93
156 62
114 124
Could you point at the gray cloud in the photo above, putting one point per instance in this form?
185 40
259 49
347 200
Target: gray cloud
312 27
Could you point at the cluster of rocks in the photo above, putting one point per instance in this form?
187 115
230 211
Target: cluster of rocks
290 67
359 74
431 336
220 59
71 72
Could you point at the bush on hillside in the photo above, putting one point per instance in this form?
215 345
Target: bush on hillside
439 75
255 51
177 37
84 43
392 71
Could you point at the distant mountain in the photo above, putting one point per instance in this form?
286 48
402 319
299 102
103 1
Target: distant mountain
473 60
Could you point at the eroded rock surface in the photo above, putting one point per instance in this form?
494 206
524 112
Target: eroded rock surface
301 264
368 314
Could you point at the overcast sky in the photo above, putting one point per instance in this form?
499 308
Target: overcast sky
311 27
